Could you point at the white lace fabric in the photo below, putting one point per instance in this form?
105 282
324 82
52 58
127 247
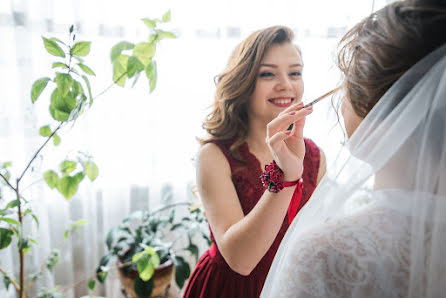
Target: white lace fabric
376 224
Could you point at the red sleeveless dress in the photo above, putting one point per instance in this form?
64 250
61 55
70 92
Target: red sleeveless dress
212 277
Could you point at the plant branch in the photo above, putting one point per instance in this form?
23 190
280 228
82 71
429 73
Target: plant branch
16 286
7 181
38 151
94 276
168 207
114 82
21 253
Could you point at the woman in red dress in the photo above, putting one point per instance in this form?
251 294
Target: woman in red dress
263 80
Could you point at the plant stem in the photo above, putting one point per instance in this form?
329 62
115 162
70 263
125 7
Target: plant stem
22 255
106 89
16 286
168 206
93 276
7 181
38 151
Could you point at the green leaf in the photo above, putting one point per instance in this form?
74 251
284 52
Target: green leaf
59 64
53 48
145 268
61 107
91 170
64 81
143 289
144 51
67 186
86 69
81 48
151 74
58 40
45 131
77 88
134 66
23 244
166 16
87 82
67 166
136 79
53 259
165 34
7 164
37 88
51 178
149 23
91 284
118 48
56 140
79 177
5 237
13 204
80 222
109 239
193 250
101 273
10 221
65 234
182 271
120 70
6 281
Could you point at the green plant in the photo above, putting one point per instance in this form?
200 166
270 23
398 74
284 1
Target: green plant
141 243
71 97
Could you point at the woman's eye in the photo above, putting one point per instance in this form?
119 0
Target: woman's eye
296 73
266 74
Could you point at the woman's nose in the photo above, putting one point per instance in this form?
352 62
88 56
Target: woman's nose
283 83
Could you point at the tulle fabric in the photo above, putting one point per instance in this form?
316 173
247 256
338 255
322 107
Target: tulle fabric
376 224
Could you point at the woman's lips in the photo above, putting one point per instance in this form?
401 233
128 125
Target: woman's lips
281 101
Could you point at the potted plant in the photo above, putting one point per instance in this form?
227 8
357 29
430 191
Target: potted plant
149 248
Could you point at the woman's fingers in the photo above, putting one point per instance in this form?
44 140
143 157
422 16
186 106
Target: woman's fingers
292 108
283 121
276 139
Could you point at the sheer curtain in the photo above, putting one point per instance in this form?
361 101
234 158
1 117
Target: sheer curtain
143 143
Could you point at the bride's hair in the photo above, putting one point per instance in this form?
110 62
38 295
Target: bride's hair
234 86
378 50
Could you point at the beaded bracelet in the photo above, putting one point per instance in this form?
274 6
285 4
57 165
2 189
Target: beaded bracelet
272 178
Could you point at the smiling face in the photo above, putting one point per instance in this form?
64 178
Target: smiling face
279 82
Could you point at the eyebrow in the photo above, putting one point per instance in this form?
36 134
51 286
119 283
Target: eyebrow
275 66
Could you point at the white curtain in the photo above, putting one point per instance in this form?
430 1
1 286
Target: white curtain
143 143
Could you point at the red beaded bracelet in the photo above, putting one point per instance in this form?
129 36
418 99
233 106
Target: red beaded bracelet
272 178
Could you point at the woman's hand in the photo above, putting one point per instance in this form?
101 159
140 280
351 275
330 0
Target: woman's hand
288 147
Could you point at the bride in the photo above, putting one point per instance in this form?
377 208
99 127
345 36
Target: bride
376 224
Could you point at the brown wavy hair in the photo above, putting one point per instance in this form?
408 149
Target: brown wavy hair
378 50
228 119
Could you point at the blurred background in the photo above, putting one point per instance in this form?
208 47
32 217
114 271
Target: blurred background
144 144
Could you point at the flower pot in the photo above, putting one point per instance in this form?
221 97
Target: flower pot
162 279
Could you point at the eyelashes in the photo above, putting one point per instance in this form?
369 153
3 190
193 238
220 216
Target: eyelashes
268 74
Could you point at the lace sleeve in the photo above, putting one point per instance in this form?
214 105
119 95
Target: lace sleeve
360 256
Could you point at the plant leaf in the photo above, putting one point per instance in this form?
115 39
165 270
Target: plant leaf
45 131
118 48
12 204
149 23
10 221
53 48
67 166
143 289
182 271
61 107
120 70
64 81
193 250
53 259
151 74
166 16
58 40
91 169
144 51
91 284
37 88
60 64
56 140
81 48
87 82
86 69
134 66
5 237
67 186
51 178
